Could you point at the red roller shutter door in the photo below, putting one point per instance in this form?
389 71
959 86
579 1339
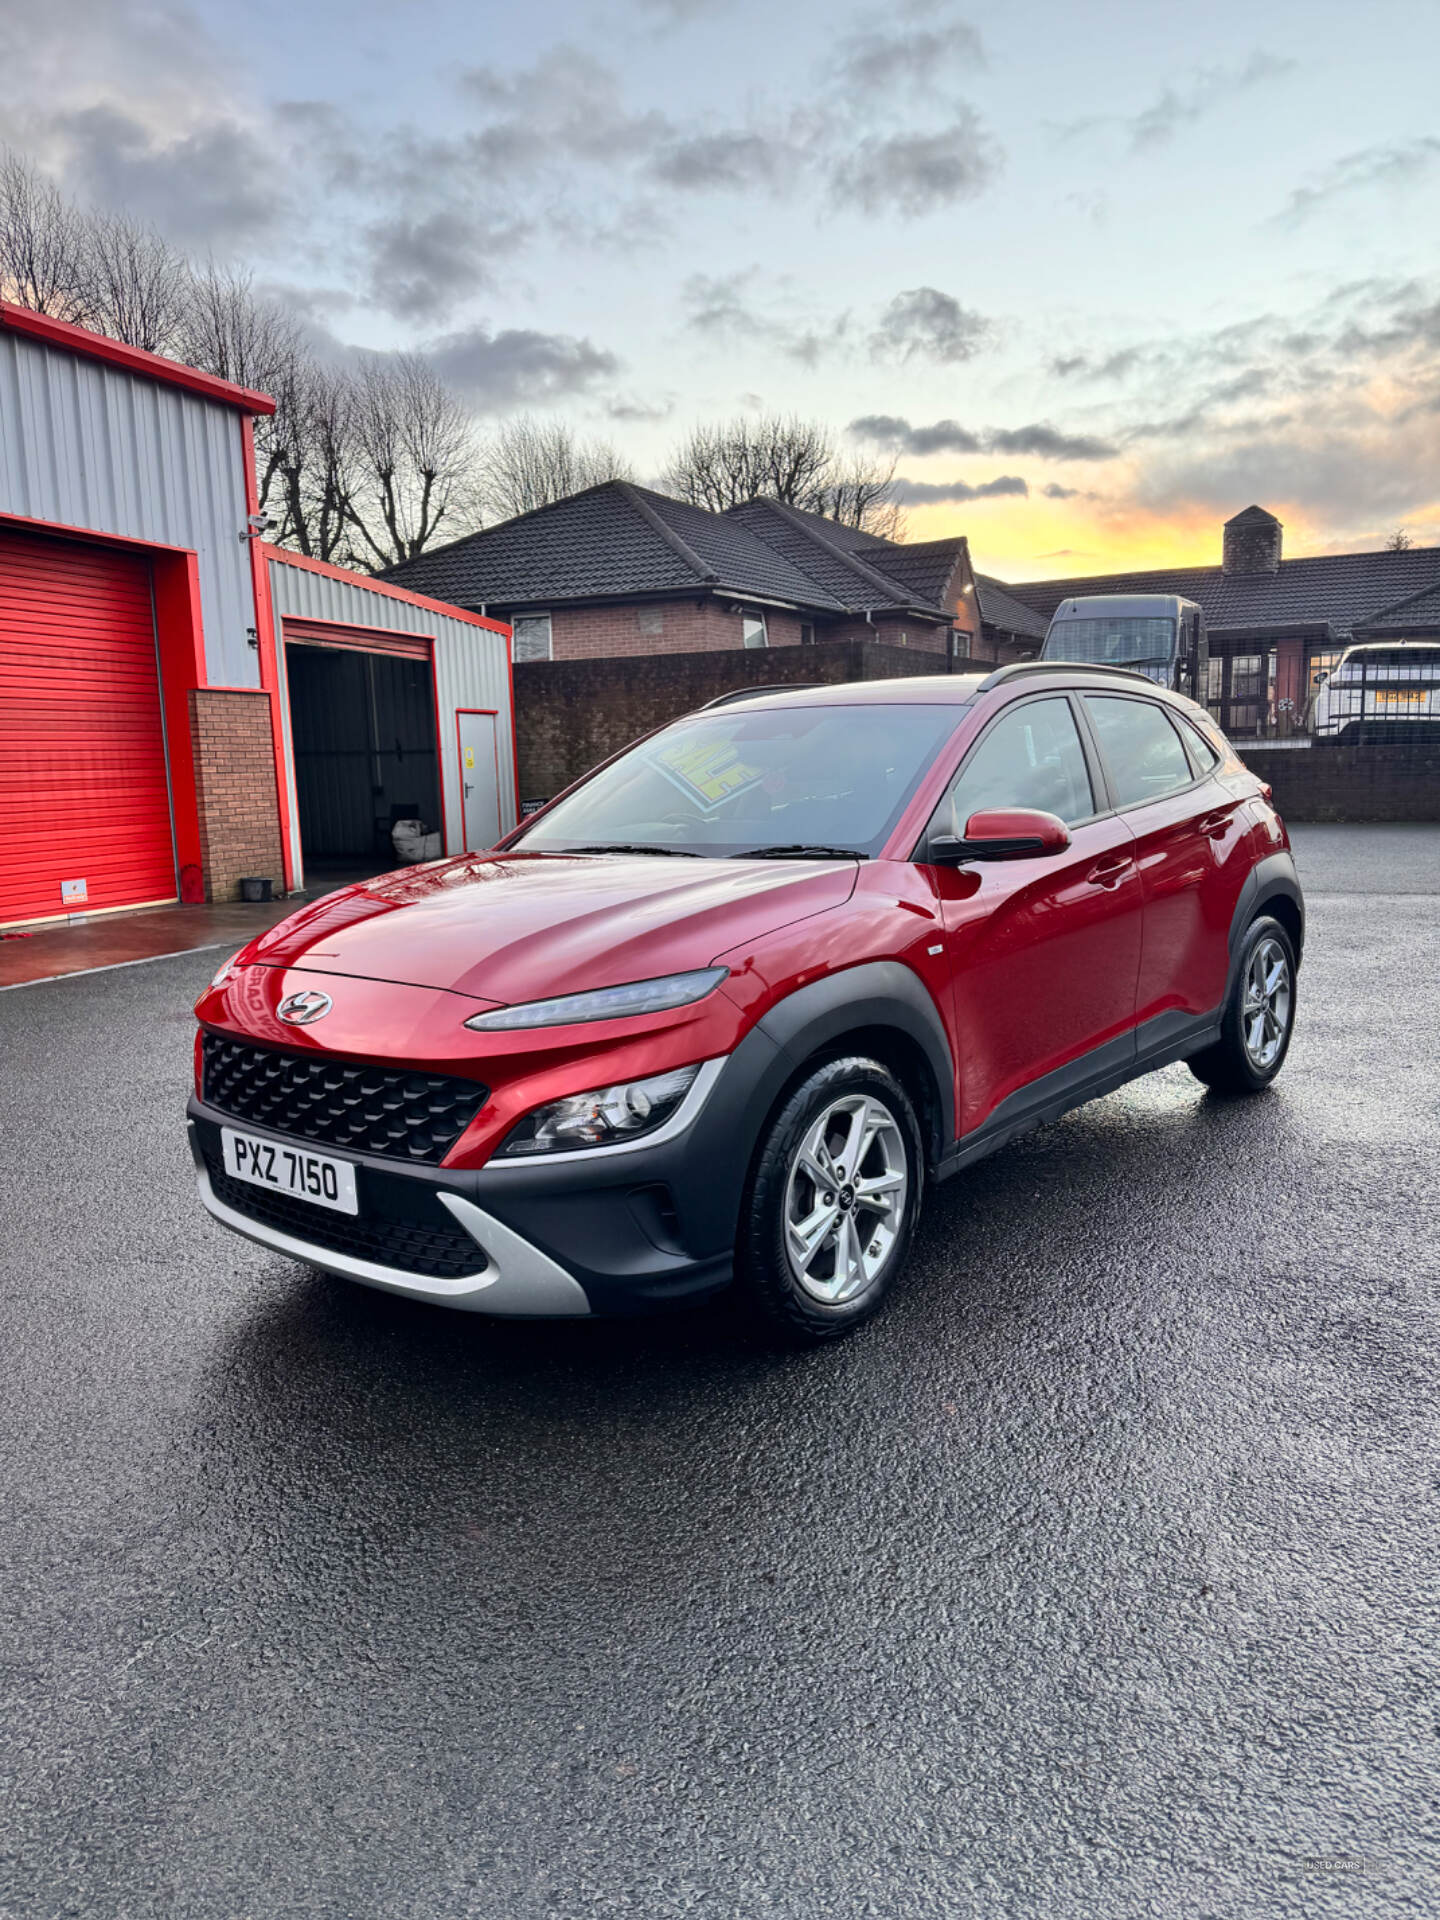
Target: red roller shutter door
83 793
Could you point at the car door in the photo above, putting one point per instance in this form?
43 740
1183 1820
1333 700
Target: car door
1192 845
1043 953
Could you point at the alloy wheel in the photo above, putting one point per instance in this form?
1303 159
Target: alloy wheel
1265 1009
845 1198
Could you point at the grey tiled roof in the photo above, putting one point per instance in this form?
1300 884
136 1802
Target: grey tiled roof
1342 589
999 608
618 540
612 540
1421 610
857 572
926 568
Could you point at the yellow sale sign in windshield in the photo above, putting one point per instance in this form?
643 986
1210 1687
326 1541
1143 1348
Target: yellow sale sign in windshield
708 772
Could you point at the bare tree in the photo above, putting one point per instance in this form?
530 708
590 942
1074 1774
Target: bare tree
531 463
1398 541
861 493
780 457
43 244
415 458
137 285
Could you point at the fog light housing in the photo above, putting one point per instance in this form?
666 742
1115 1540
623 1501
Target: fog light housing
601 1118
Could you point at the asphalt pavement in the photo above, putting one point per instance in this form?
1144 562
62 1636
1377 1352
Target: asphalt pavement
1097 1577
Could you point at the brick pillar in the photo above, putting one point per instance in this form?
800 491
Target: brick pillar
235 790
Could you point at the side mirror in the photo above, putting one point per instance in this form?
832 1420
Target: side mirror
1002 833
1321 677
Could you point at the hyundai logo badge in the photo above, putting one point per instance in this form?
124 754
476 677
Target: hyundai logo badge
299 1009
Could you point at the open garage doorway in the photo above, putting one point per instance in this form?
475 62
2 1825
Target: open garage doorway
363 734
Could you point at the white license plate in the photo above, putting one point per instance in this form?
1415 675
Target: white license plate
291 1170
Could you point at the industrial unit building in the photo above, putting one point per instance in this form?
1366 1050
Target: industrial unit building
181 705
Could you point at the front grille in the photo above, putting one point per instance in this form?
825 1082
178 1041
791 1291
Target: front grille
439 1252
407 1116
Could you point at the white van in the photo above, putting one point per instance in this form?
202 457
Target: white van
1380 690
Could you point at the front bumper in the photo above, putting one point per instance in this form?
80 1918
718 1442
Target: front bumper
620 1230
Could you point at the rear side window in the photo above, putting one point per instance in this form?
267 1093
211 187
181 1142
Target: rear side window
1141 748
1205 757
1031 757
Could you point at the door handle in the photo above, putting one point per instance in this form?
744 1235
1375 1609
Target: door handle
1109 873
1214 825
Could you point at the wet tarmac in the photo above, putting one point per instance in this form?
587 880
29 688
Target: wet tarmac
1097 1577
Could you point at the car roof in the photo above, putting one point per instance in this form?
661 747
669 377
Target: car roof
926 689
956 689
1391 646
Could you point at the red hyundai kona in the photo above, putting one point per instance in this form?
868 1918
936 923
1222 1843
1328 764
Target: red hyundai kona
719 1012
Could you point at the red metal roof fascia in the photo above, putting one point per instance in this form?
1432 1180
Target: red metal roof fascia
371 585
153 366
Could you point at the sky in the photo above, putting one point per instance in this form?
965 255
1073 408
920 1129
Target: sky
1099 276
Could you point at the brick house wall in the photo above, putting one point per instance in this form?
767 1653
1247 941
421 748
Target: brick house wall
708 626
670 626
921 635
235 787
570 715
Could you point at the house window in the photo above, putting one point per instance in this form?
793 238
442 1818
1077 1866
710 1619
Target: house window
959 644
752 628
651 620
532 637
807 635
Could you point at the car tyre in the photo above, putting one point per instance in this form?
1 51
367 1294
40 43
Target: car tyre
831 1201
1259 1015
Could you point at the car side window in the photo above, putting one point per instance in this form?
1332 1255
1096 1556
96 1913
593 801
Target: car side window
1031 757
1141 748
1202 754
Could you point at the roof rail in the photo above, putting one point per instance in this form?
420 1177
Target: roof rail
1018 668
753 693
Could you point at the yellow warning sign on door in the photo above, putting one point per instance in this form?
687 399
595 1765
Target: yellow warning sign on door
469 756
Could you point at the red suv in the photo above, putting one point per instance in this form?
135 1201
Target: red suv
722 1009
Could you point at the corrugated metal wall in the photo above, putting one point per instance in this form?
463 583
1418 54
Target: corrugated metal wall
472 669
87 445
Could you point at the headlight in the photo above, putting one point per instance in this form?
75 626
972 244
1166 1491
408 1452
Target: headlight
600 1118
229 967
606 1003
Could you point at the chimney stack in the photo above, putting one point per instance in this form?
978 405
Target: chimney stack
1252 542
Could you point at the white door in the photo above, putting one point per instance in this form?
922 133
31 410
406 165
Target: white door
480 780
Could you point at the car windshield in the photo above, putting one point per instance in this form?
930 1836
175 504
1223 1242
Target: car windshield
812 780
1114 640
1390 663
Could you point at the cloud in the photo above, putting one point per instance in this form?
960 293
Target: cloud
718 306
1399 163
891 431
634 411
722 161
1084 366
873 60
913 174
1047 443
1180 105
920 493
518 366
212 186
925 324
421 269
1054 491
948 436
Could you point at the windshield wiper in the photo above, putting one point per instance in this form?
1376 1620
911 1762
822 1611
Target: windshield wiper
634 846
801 851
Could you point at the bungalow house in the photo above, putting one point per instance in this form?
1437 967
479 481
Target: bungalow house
1274 624
620 569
